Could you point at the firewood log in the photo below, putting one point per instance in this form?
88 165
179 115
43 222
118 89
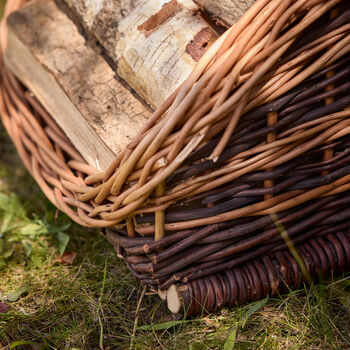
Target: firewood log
225 12
153 45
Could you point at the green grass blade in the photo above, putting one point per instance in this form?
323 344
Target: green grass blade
162 326
231 340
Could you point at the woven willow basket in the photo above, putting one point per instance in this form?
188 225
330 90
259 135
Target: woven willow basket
238 185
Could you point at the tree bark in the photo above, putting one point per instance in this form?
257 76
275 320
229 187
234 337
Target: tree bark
226 12
154 45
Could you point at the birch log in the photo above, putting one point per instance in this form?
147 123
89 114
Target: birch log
154 44
75 85
225 12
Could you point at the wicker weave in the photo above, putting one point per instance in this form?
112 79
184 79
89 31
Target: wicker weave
254 143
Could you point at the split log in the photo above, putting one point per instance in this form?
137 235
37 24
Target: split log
154 44
78 88
225 12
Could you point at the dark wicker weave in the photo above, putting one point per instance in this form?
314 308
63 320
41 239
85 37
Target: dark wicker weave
248 157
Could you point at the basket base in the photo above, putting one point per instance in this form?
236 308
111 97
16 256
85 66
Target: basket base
314 260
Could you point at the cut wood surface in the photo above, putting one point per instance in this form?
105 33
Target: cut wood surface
226 12
173 299
154 44
76 86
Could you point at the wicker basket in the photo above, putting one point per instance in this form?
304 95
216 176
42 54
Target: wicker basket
238 186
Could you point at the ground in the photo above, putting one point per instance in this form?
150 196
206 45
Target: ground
52 301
